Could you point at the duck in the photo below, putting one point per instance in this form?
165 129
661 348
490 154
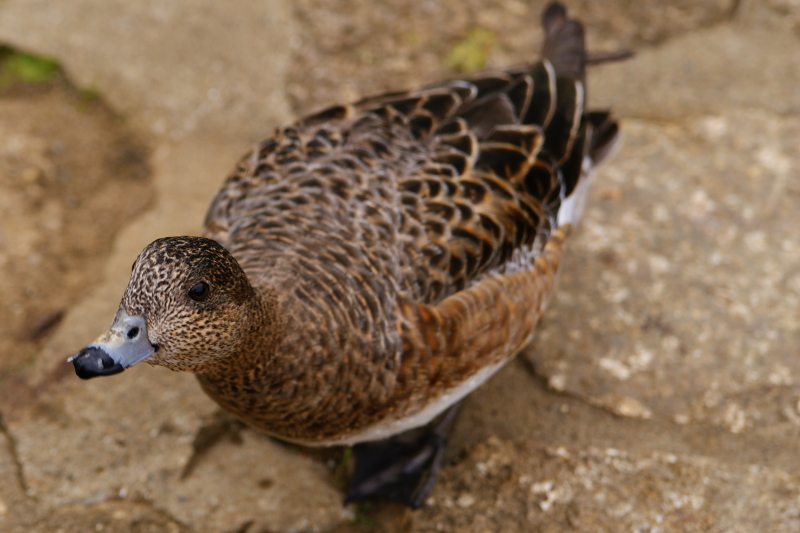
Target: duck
368 266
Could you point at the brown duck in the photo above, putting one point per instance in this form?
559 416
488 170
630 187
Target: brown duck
367 267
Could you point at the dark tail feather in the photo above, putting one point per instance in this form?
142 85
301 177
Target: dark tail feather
596 58
564 43
604 135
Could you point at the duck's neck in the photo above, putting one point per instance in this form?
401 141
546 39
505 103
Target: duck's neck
258 336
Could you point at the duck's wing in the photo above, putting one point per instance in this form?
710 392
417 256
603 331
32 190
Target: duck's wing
522 146
505 154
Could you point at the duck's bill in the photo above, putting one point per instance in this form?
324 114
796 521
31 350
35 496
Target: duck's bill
93 361
124 345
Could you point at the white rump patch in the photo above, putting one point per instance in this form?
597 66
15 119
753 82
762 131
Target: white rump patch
572 207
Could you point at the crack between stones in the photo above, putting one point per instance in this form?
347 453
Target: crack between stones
12 449
23 483
139 501
588 401
164 513
530 366
735 7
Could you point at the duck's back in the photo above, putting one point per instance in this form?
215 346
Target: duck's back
418 231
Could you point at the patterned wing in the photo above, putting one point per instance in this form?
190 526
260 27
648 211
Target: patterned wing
532 144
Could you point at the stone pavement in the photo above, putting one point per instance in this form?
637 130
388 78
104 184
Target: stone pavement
663 392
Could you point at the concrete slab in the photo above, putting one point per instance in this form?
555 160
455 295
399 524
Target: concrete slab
737 65
172 67
550 489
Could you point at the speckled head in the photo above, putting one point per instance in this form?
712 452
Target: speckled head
188 305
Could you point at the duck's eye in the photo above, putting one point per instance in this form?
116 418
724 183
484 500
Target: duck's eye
199 292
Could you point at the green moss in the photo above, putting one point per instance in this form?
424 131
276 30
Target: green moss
341 475
471 53
88 94
16 66
362 517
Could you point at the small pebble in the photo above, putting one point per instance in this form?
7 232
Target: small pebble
466 500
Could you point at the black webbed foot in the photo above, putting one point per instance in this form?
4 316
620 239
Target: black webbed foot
402 468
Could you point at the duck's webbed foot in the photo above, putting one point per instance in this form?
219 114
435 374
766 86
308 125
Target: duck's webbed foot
402 468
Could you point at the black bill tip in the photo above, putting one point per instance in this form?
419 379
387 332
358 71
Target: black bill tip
92 362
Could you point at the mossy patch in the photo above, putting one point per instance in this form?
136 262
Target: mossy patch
344 469
472 52
88 94
17 66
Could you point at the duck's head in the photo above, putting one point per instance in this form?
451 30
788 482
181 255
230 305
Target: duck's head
188 305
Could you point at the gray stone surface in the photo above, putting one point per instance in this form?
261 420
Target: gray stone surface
553 489
667 83
689 257
173 67
76 452
662 392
